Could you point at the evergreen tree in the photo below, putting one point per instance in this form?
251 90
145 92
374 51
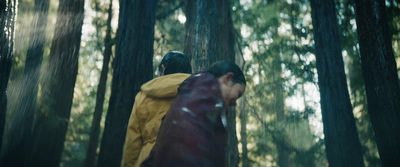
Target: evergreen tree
101 91
200 46
243 132
349 41
8 11
58 85
132 68
343 147
20 131
380 77
225 42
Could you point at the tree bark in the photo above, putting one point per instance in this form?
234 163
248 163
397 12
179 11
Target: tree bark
380 77
225 41
231 151
20 132
343 147
58 86
209 38
101 90
133 67
8 12
225 32
189 10
279 107
243 133
204 44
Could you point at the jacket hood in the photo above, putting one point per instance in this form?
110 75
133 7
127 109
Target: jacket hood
165 86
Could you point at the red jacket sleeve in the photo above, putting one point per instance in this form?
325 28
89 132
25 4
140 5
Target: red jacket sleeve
192 133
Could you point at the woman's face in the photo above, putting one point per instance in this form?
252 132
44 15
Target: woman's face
232 93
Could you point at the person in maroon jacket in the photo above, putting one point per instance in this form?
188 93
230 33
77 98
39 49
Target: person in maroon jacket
193 133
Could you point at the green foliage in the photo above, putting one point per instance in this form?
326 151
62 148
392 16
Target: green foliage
24 17
21 45
168 37
22 31
169 30
352 59
90 64
276 42
77 138
277 38
297 133
169 33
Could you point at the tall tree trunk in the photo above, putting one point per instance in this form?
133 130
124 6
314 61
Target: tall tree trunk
393 11
133 67
189 10
101 90
356 84
243 132
343 147
279 106
20 133
8 11
225 32
58 86
380 77
225 42
210 37
204 42
231 151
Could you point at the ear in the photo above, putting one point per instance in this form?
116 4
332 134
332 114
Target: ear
163 70
227 78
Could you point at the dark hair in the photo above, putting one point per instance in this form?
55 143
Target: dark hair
221 68
175 62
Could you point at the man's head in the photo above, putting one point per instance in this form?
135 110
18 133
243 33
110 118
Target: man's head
174 62
231 79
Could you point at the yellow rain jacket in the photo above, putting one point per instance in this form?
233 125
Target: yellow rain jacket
151 104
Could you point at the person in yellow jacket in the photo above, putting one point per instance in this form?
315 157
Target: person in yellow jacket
151 104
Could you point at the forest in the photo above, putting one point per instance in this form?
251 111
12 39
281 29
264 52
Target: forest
323 86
